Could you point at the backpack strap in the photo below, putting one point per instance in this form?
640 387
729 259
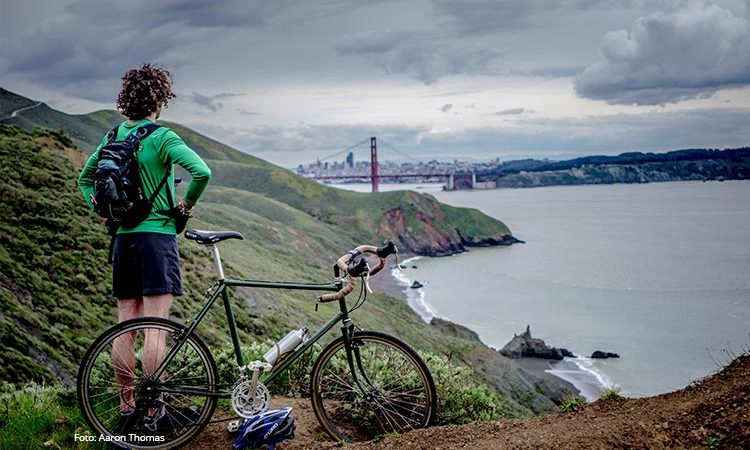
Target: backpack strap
161 185
142 133
145 130
112 134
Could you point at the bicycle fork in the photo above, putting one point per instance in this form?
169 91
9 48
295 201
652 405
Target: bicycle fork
354 360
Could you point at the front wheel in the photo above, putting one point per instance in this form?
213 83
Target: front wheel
390 389
165 413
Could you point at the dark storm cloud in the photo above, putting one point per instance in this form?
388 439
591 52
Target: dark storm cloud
422 55
211 102
86 56
690 52
85 51
481 16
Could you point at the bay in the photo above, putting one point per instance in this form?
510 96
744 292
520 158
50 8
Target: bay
659 273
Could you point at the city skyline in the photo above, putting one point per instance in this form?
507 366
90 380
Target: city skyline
474 80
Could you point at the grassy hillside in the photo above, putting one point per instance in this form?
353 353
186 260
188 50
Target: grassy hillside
54 279
85 130
418 222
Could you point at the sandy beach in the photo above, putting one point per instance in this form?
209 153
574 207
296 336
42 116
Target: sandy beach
539 367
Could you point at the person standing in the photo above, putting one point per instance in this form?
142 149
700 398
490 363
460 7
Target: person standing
146 266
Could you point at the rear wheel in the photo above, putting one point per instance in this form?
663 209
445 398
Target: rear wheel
114 377
393 391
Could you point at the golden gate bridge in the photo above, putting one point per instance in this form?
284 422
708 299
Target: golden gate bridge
384 162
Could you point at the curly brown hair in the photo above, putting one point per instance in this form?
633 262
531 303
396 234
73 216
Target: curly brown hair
143 91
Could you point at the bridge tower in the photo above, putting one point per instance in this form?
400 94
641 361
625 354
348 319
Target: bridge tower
374 164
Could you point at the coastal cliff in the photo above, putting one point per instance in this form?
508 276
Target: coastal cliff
420 228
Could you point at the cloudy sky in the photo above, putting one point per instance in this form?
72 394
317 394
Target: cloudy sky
291 81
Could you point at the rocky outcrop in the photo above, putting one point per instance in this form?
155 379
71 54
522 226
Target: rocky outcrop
599 354
524 346
539 394
423 226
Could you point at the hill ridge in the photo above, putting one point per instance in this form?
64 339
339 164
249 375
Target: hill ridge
53 253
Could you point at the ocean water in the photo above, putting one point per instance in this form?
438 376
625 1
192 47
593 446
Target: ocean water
659 273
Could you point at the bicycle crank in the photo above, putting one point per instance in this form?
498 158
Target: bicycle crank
246 404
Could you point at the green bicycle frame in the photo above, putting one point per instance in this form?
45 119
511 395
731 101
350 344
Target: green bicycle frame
220 289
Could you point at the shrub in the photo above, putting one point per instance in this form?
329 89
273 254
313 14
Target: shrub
461 399
572 404
610 393
293 382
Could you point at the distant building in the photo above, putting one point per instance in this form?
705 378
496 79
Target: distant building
350 160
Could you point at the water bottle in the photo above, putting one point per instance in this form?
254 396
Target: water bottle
285 345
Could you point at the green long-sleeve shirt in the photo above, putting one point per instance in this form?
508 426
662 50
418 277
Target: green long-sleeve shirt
161 146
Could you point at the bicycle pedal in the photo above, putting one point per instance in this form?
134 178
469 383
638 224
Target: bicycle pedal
234 426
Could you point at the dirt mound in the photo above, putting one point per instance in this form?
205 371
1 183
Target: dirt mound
712 413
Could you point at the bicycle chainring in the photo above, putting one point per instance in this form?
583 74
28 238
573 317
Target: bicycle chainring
246 405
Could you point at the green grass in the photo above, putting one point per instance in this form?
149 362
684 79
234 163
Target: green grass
572 404
35 416
610 393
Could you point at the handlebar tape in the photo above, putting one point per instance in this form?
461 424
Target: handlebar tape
353 270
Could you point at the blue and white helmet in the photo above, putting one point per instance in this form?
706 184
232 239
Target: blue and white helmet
269 428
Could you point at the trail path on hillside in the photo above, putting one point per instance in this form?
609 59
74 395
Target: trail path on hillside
25 108
711 413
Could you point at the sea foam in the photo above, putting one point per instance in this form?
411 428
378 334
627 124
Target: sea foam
414 297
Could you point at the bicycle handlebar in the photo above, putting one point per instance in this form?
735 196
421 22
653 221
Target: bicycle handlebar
359 268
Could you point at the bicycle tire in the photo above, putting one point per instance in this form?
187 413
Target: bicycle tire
401 392
184 416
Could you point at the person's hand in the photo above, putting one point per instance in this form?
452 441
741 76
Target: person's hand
185 208
184 212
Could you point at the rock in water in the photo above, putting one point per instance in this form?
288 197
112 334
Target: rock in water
523 345
604 355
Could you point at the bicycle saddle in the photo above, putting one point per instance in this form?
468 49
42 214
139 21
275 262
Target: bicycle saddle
211 237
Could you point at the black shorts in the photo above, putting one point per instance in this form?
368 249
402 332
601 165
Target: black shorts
145 264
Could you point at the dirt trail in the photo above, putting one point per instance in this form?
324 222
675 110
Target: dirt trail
713 413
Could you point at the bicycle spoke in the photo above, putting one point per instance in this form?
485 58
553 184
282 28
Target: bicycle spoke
338 380
408 419
399 396
191 370
389 418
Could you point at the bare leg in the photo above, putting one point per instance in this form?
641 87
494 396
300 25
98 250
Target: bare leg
123 352
154 345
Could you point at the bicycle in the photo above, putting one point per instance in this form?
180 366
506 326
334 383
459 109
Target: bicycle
363 384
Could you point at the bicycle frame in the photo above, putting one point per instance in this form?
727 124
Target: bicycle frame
220 289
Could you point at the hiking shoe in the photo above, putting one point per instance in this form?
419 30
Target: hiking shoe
151 423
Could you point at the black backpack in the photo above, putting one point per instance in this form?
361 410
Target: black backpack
118 191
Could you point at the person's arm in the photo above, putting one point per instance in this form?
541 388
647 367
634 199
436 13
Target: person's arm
86 178
174 149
